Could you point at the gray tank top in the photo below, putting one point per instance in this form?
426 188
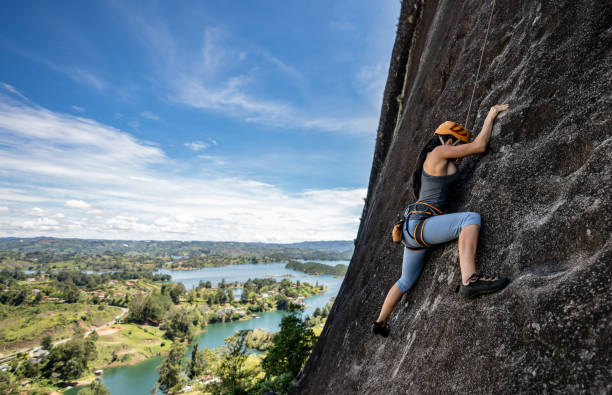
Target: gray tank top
435 189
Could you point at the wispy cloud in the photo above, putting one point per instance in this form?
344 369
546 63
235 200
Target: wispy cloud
78 109
70 176
78 204
212 81
85 77
150 115
197 145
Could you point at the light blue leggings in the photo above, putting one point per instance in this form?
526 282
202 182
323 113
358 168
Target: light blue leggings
437 230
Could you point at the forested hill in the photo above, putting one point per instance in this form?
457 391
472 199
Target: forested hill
321 250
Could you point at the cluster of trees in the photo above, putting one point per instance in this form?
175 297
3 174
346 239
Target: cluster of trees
211 296
252 288
320 315
66 284
149 309
69 360
285 357
65 361
216 261
174 291
315 268
95 280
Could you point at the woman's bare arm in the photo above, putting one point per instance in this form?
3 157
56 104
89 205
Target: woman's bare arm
479 144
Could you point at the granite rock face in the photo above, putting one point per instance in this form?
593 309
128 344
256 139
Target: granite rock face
543 188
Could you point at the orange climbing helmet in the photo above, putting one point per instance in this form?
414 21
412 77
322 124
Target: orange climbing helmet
454 129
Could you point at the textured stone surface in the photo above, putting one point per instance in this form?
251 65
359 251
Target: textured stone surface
543 189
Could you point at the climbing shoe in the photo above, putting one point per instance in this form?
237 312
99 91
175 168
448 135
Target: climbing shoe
381 328
480 284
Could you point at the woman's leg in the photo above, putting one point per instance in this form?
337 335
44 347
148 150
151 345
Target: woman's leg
466 227
393 296
468 242
412 264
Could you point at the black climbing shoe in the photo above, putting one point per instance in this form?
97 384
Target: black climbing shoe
480 284
381 328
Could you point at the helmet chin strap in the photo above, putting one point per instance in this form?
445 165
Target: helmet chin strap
443 142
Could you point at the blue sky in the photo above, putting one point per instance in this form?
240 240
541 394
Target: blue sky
216 120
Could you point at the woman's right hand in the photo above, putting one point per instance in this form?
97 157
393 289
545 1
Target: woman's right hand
496 109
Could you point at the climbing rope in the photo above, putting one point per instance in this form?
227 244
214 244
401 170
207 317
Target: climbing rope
479 64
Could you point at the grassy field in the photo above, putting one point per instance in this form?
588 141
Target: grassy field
128 344
24 326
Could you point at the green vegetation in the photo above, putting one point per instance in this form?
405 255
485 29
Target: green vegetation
60 301
68 360
128 344
129 255
171 370
95 388
315 268
290 349
232 370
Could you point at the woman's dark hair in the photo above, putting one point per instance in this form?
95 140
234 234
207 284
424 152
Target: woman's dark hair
431 144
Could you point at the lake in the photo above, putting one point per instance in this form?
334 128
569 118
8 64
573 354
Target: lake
140 378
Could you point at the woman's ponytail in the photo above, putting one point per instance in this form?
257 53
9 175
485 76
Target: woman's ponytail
416 176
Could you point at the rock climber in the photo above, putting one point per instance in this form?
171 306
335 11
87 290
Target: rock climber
425 223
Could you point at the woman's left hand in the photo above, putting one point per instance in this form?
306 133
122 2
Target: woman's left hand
496 109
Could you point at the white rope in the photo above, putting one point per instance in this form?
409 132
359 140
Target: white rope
479 64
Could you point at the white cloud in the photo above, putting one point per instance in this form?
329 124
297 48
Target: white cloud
39 224
78 204
141 194
77 108
38 212
197 145
213 160
4 209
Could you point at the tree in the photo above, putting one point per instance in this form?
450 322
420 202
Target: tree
197 363
179 325
148 309
291 347
71 293
175 291
70 359
171 369
231 370
95 388
8 385
47 342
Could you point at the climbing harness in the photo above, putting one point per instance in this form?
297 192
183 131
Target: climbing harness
479 64
420 211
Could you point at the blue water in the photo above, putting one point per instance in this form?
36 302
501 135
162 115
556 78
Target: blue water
140 379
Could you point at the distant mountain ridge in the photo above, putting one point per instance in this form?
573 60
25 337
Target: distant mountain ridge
323 250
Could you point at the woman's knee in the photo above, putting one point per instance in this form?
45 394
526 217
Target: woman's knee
402 285
471 218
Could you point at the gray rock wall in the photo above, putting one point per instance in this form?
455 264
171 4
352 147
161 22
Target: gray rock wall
543 189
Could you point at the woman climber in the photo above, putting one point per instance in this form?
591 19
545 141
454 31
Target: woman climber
425 224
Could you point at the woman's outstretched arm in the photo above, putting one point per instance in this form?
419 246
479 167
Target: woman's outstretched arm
479 145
